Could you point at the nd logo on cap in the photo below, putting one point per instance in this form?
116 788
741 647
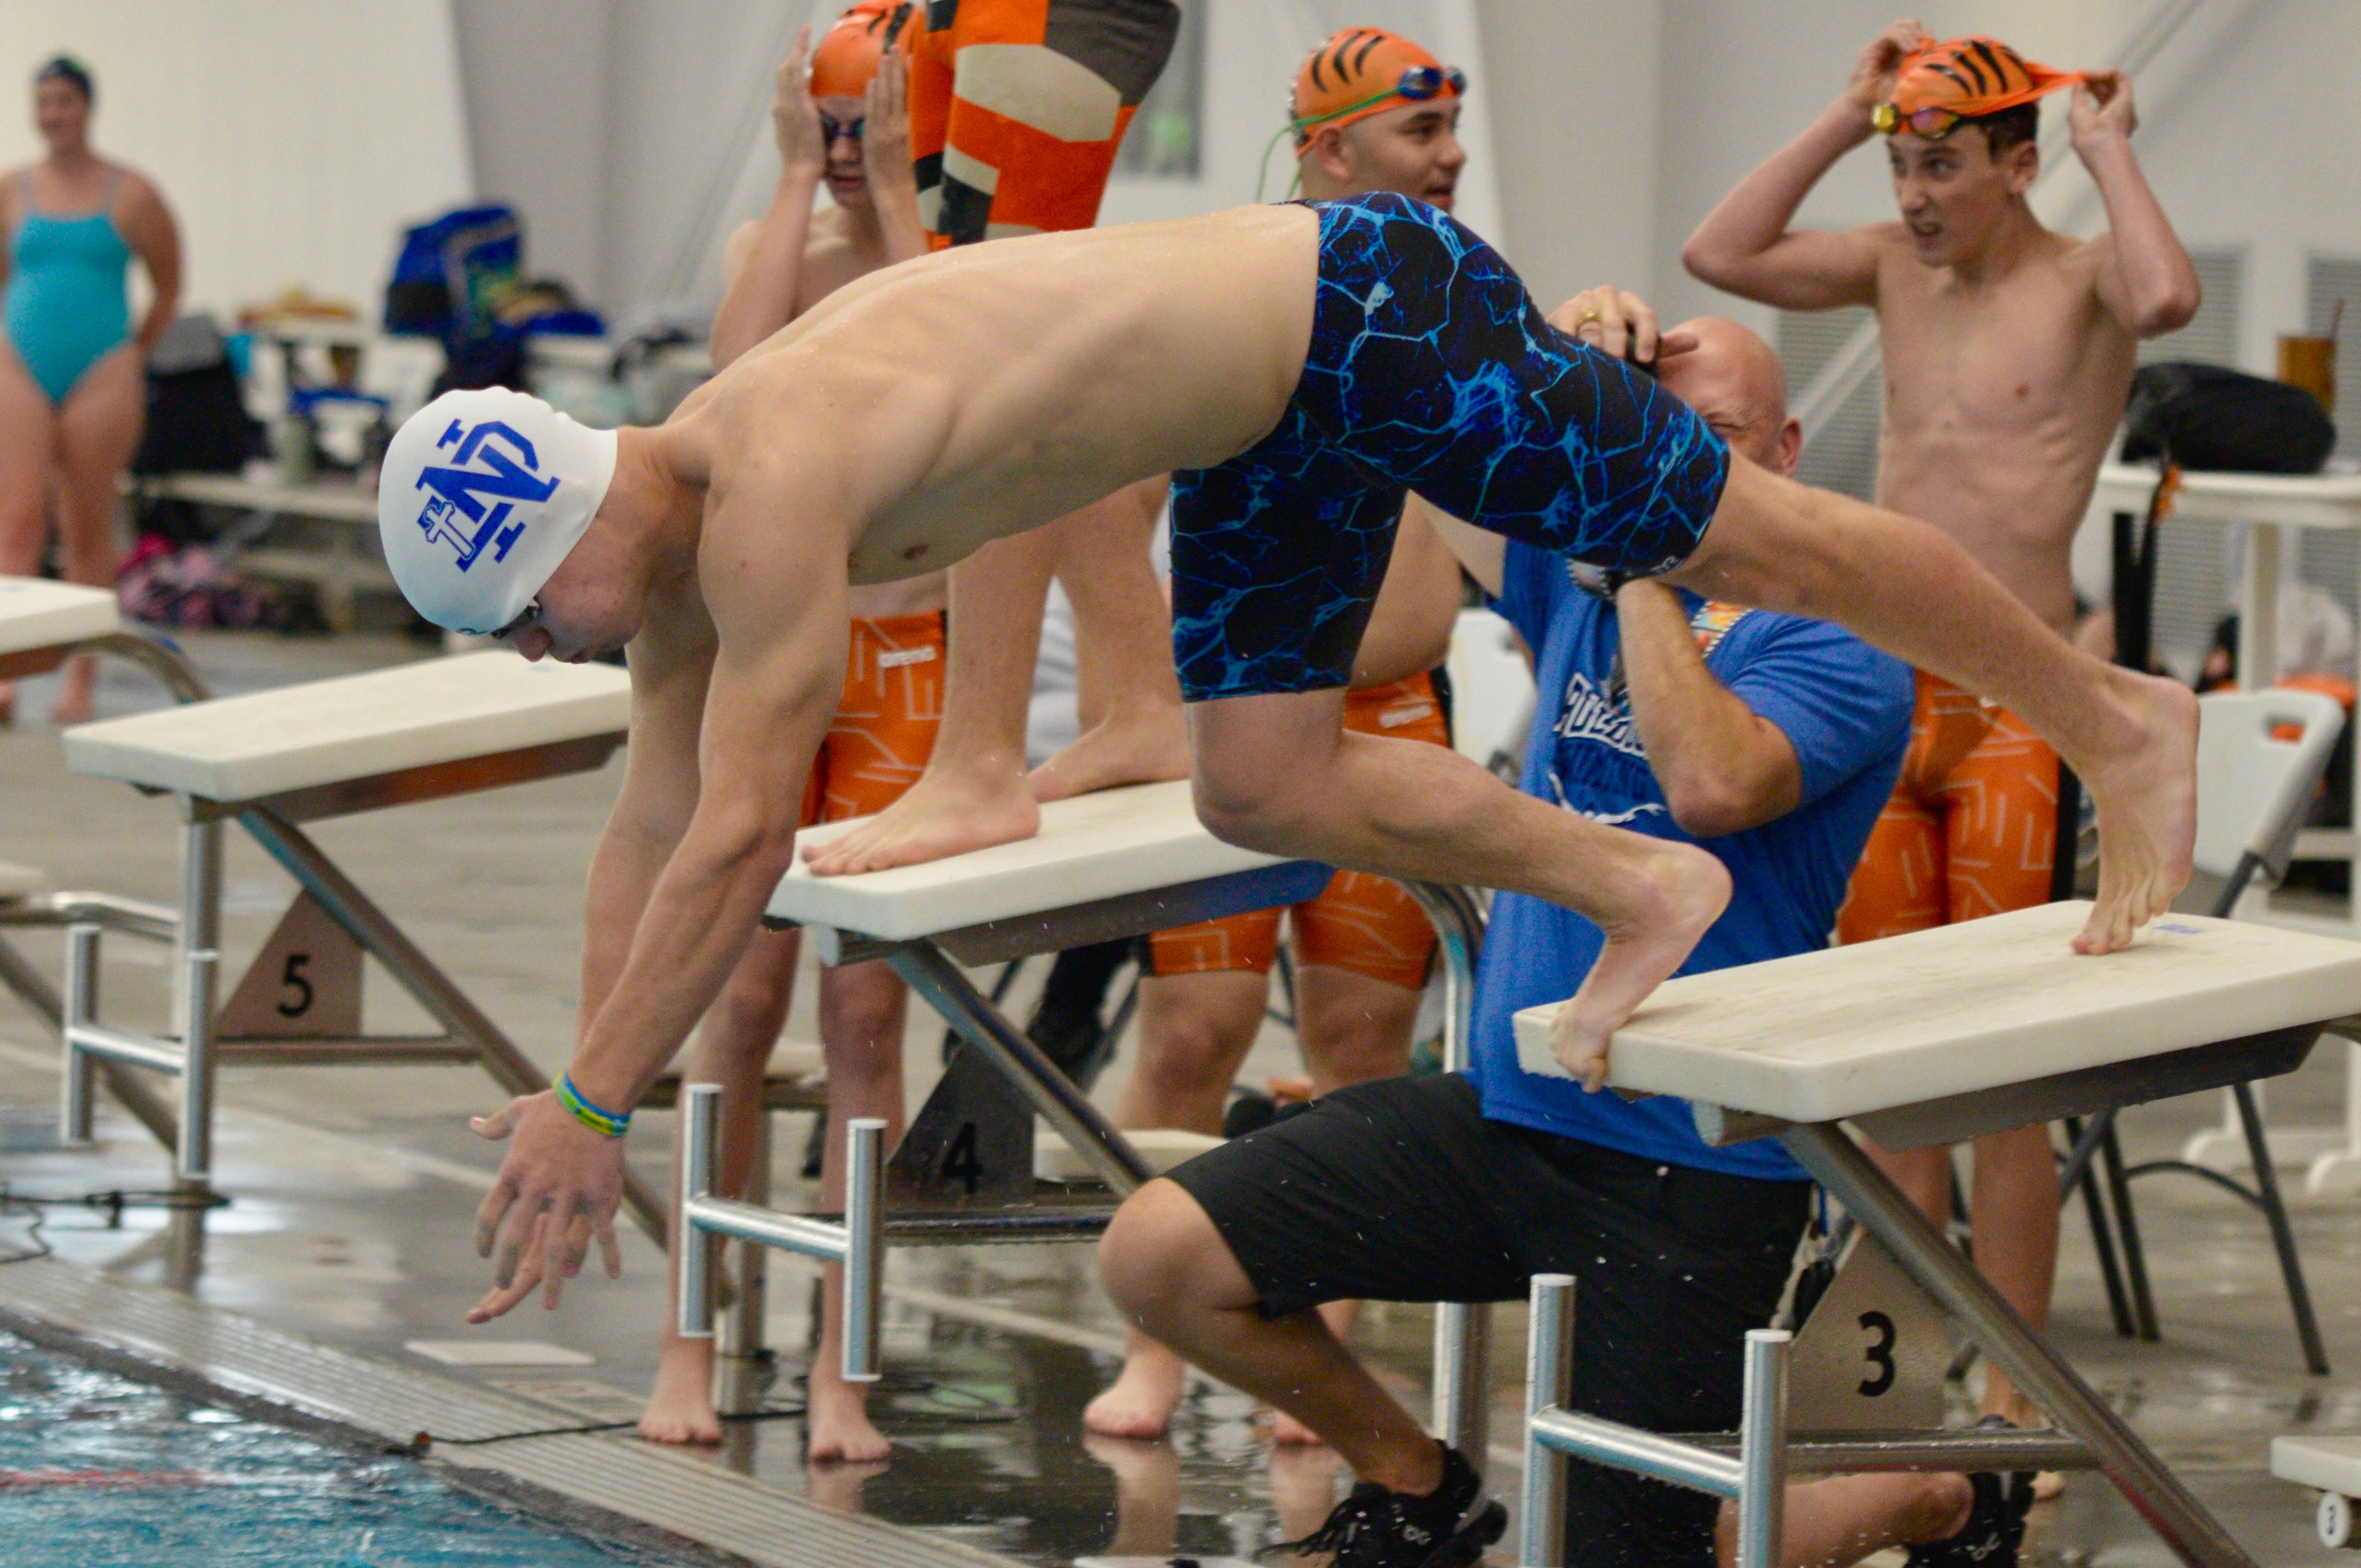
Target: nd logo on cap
456 514
509 487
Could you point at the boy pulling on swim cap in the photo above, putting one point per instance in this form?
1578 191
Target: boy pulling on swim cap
2008 354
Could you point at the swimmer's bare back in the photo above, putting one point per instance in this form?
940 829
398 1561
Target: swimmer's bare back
979 392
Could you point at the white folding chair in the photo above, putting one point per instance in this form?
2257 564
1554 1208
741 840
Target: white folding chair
2260 757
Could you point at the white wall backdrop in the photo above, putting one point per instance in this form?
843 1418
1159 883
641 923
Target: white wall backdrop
293 139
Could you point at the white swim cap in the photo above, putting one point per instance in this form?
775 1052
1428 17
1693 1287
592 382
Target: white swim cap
483 493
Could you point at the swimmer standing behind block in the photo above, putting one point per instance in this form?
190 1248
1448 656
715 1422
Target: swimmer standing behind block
842 122
1305 367
2008 354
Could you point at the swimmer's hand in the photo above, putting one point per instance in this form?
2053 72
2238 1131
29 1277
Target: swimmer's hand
1873 70
1580 1048
885 128
1619 322
560 1186
795 119
2101 109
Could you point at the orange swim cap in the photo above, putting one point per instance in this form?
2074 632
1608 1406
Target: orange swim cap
1940 84
1361 71
846 60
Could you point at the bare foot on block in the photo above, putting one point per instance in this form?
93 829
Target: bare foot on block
1144 747
837 1418
1140 1401
1682 892
948 812
2146 789
681 1408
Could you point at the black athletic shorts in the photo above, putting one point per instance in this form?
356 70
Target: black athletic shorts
1401 1190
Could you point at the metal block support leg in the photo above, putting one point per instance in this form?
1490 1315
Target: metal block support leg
864 1246
1549 1383
79 1079
434 990
196 1153
1762 1450
1462 1407
697 1248
945 987
2192 1534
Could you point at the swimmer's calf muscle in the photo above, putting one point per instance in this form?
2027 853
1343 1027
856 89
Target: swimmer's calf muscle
1908 588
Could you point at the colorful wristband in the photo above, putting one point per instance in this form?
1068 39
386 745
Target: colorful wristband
589 1115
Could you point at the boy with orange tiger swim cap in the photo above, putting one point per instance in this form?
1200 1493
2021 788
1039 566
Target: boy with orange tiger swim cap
840 122
2008 355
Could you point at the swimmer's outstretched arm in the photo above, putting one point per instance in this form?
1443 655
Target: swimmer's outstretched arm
778 667
1910 590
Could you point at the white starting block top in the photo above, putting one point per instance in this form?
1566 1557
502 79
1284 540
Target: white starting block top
355 726
2003 1000
36 613
1104 845
2331 1463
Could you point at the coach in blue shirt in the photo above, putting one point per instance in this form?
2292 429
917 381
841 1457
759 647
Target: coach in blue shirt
1771 741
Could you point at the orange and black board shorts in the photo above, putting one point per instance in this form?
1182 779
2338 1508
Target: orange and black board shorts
1970 828
886 722
1016 108
1359 922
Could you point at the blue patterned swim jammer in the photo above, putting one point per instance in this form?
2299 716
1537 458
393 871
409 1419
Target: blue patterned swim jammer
1431 369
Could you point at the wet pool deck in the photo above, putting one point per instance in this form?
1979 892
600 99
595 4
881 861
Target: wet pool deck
354 1191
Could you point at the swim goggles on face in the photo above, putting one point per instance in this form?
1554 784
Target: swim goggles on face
524 617
1930 122
829 128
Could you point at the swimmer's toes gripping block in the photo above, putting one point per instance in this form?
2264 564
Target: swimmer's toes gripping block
858 1243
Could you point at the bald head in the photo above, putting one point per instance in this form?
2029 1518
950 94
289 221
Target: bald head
1733 379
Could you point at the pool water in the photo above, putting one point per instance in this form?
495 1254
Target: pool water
97 1470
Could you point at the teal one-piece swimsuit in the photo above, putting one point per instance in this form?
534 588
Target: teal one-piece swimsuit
67 303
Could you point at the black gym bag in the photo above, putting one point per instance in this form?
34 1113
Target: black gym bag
2204 416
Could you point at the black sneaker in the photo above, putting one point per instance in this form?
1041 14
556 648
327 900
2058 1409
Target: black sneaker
1995 1526
1374 1527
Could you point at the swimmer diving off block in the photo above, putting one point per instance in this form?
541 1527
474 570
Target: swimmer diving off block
1302 366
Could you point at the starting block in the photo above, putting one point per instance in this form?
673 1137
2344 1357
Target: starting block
1936 1037
273 760
43 624
2331 1466
1120 862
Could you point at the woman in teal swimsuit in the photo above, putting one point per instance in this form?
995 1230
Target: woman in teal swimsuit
71 388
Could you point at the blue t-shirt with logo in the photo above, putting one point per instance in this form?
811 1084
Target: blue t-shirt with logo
1846 709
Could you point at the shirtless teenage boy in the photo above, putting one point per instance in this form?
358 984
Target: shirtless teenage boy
842 123
1302 367
2008 355
1371 111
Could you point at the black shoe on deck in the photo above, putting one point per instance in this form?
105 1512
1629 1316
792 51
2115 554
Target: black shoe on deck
1373 1527
1995 1526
